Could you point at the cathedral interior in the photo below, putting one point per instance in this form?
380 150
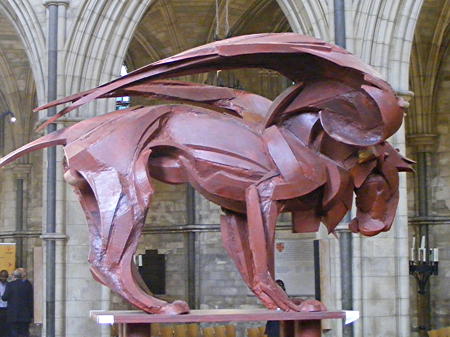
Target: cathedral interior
180 253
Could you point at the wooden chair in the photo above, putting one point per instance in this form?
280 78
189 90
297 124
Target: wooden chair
193 330
220 331
230 330
444 332
181 330
253 332
155 330
208 332
114 331
167 331
261 329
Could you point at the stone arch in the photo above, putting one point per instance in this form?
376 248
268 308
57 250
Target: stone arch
22 64
24 17
385 40
257 9
17 82
310 17
162 30
98 59
427 59
9 86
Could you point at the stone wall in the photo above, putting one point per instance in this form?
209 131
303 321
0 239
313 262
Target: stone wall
440 200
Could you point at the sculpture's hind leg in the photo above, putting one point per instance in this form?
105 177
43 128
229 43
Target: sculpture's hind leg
114 234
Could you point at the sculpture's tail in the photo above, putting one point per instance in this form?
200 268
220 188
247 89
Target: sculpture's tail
55 138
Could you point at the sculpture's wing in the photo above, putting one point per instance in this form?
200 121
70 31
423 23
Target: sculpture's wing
297 57
52 139
251 107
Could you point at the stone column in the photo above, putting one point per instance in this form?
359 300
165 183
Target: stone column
20 181
423 146
55 238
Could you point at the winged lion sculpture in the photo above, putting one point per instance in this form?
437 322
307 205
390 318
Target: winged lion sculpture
307 152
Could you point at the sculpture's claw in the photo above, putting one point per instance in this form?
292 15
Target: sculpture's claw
274 297
311 305
367 226
174 308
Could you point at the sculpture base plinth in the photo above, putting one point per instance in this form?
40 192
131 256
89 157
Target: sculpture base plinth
294 324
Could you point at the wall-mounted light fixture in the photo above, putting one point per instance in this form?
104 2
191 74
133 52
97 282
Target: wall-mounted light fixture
12 117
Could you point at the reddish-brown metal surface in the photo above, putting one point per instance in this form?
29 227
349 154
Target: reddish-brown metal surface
305 153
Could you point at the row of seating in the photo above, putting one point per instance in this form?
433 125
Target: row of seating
444 332
194 330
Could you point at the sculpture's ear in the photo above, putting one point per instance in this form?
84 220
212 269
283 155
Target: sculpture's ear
353 118
360 116
52 139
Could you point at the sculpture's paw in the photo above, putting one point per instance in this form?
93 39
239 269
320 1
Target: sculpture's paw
368 226
273 297
174 308
311 305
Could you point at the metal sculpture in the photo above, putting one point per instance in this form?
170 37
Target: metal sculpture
304 153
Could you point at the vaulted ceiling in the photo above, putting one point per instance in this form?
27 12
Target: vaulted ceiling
170 26
429 53
17 87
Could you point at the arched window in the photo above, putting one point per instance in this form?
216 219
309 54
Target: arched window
124 101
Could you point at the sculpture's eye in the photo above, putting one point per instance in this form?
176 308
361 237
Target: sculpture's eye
365 155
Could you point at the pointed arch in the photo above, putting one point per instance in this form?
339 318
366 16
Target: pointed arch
23 16
110 26
309 17
383 34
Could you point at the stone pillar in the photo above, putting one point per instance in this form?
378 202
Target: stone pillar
20 181
423 146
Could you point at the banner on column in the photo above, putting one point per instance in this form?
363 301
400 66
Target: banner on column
8 257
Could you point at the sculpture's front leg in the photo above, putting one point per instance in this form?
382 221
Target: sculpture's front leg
250 243
262 216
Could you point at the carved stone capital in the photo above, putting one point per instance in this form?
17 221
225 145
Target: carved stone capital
423 142
53 236
406 95
48 3
18 170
